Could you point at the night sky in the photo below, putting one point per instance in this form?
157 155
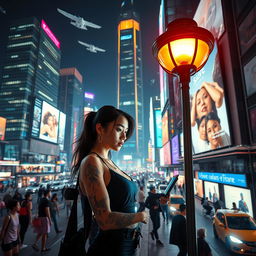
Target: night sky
99 70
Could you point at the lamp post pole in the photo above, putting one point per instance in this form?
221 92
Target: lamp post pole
188 167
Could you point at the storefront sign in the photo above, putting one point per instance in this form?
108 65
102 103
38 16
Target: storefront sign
224 178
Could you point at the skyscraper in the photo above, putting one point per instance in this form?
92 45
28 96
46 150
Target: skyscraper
31 69
71 102
130 84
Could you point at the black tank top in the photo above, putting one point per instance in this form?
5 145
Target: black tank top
122 192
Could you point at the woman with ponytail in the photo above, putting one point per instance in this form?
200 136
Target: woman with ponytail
110 191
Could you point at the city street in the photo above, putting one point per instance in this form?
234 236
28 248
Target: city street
148 246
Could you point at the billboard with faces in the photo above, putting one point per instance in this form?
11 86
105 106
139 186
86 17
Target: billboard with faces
209 121
49 123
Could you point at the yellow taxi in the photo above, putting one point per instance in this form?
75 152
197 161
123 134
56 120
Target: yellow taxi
237 230
174 203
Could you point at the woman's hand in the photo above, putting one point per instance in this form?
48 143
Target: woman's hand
144 217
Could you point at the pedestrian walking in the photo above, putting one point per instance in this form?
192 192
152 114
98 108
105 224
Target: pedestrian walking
2 207
141 199
164 207
110 191
17 196
178 233
203 247
54 209
68 204
9 235
40 193
45 222
25 217
153 204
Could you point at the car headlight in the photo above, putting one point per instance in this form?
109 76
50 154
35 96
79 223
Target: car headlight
235 240
173 209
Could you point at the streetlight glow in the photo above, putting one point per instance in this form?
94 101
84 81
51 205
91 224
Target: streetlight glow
182 51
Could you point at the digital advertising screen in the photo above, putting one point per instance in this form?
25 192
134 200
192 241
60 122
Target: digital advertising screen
2 127
36 118
165 134
62 126
175 149
161 156
211 190
158 129
167 153
49 123
240 196
209 15
209 120
198 187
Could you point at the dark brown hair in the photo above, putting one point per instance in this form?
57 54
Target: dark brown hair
88 137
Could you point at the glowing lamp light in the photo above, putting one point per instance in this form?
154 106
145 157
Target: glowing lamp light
182 50
184 44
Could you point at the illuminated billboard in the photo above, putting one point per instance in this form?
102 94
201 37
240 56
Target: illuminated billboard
89 95
62 126
167 154
158 129
49 123
50 34
209 15
240 196
211 190
165 137
175 149
209 122
2 127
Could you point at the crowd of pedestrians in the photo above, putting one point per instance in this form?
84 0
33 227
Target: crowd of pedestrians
17 213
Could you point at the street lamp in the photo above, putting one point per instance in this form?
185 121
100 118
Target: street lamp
182 51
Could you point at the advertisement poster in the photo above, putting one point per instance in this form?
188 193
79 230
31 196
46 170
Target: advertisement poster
36 118
165 136
158 129
62 126
250 76
167 153
198 187
175 149
2 127
211 190
209 121
240 196
209 15
49 123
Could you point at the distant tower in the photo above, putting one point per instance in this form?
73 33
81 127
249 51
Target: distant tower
71 102
129 89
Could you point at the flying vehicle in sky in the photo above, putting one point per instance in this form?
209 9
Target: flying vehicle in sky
78 22
2 10
91 47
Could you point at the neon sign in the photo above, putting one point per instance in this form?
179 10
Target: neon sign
89 95
49 33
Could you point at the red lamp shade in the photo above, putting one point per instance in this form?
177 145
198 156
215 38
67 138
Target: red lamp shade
183 44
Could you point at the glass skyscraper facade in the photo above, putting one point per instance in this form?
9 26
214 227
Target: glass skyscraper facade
130 84
71 102
31 69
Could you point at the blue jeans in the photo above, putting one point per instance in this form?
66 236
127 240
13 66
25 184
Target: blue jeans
165 211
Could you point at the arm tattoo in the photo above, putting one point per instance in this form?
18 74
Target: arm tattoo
100 203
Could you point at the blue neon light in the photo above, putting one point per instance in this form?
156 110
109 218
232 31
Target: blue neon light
126 37
224 178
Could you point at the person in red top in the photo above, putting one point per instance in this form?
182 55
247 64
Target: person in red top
25 217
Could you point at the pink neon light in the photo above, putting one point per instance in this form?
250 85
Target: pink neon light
49 33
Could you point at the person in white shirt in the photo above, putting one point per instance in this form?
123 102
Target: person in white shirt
141 199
